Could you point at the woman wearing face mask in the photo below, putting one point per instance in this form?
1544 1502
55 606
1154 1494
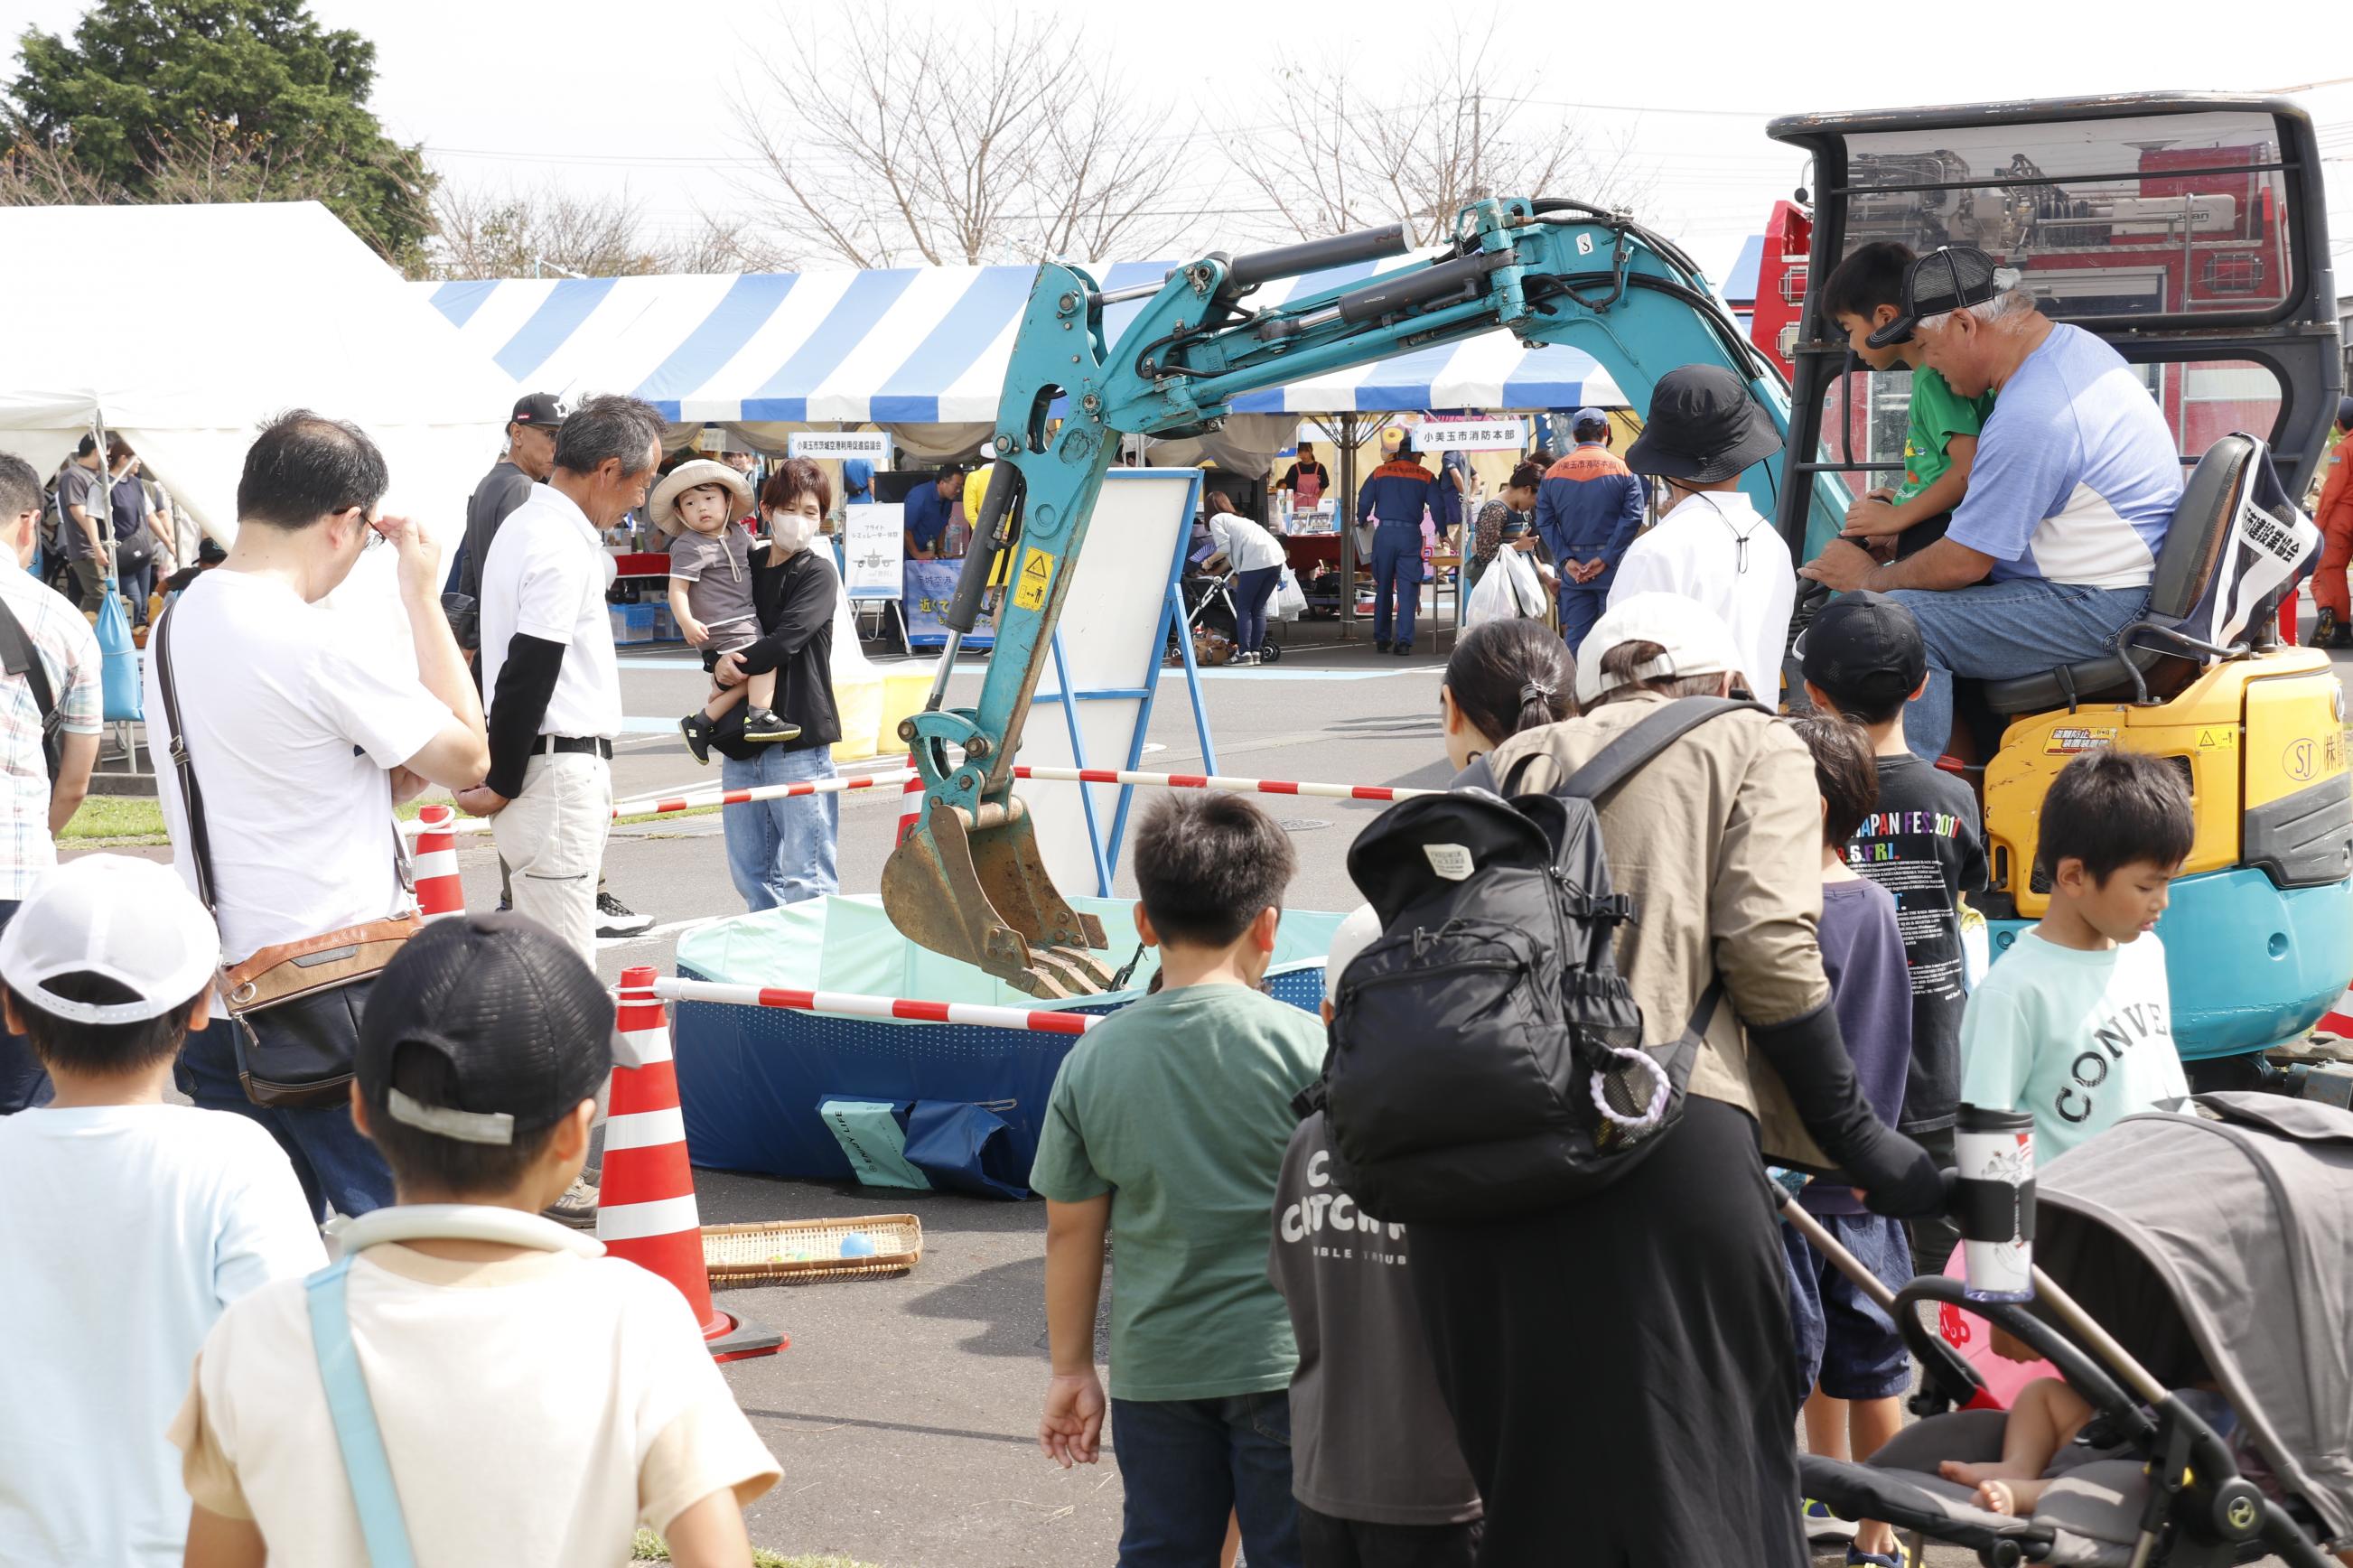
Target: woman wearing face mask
782 851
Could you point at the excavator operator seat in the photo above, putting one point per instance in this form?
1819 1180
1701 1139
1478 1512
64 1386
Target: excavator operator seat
2186 563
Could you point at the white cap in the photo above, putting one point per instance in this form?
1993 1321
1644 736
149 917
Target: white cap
1356 934
1695 638
133 921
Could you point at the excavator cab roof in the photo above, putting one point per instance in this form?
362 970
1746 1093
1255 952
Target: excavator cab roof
2188 230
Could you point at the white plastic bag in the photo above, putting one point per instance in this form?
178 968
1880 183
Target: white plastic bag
1527 587
1493 598
1289 598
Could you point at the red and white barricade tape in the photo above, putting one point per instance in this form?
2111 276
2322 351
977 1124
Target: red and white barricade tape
895 1009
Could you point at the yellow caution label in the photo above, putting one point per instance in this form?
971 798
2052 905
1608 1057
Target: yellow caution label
2218 738
1037 576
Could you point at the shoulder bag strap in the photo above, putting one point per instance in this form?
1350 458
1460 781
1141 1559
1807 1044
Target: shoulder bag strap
356 1432
19 657
1626 755
192 799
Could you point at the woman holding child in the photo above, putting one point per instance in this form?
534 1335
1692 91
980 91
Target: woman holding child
1620 1369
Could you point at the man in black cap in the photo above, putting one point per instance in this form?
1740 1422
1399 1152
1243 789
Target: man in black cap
1712 545
2051 554
530 458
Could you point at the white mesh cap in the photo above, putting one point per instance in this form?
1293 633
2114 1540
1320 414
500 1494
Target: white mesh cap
133 921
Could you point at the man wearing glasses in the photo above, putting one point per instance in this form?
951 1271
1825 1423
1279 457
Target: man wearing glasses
301 738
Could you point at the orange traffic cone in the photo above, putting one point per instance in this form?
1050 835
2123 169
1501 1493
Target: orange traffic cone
646 1209
439 890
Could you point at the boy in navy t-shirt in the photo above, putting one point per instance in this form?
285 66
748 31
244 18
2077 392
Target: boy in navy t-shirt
1852 1359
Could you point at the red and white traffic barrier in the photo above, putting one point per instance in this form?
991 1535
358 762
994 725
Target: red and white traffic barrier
439 890
1219 781
2338 1019
897 1009
646 1210
663 805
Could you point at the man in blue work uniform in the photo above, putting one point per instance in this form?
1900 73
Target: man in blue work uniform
1589 510
1395 496
929 509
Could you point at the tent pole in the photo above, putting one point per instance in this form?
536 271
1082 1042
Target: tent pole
1346 522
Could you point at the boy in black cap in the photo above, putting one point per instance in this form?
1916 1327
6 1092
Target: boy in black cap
1862 658
534 1400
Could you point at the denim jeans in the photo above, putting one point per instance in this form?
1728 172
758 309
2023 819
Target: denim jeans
1252 589
2002 631
1397 580
1187 1463
338 1167
24 1081
781 851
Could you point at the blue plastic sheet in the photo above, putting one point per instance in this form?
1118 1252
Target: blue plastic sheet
966 1149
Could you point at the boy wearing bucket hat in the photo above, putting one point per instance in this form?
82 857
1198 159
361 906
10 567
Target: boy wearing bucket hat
531 1399
711 595
1703 431
128 1224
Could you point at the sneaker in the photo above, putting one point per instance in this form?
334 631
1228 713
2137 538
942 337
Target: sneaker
697 728
762 727
577 1206
1898 1558
1380 648
1405 651
615 918
1242 659
1822 1524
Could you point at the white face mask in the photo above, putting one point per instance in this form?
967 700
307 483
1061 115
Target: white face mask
792 531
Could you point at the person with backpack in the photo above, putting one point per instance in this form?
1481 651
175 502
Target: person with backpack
1601 1280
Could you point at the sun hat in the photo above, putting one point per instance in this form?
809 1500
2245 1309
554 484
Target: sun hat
662 507
523 1022
132 921
1693 638
1358 933
1702 427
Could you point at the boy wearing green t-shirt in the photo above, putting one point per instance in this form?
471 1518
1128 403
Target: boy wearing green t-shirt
1865 293
2075 1025
1167 1124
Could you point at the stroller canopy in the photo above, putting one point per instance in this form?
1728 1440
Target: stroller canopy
2224 1249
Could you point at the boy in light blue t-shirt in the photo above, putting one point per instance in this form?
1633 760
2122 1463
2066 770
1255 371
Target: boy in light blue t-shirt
2075 1025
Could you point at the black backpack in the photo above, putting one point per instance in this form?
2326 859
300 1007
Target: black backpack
1475 1043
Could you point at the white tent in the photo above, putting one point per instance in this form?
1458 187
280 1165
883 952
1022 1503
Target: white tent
184 328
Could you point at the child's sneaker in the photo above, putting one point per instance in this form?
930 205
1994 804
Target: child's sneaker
1822 1525
1895 1557
762 727
696 727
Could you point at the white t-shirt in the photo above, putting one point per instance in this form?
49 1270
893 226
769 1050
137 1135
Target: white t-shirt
123 1232
545 577
533 1410
1249 547
291 726
1697 551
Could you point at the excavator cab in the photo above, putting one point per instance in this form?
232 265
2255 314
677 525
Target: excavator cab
2189 232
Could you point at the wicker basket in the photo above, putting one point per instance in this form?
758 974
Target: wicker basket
797 1251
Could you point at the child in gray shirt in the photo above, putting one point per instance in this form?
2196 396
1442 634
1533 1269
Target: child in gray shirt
711 595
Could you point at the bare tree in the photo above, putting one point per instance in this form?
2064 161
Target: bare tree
1339 159
994 143
520 233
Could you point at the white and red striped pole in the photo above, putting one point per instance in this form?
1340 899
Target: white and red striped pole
893 1009
439 890
646 1210
911 800
1219 781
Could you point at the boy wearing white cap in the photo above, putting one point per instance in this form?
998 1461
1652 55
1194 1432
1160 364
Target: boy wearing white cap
128 1224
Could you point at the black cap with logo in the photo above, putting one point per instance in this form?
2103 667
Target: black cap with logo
523 1022
544 409
1949 278
1863 648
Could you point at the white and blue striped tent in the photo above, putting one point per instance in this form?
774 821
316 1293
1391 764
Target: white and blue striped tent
912 346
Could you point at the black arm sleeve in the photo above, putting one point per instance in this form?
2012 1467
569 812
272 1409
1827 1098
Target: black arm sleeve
526 681
807 609
1896 1173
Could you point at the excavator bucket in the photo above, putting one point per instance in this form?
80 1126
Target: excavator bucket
973 887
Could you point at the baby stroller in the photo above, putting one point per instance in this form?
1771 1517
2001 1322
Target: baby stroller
1210 622
2208 1248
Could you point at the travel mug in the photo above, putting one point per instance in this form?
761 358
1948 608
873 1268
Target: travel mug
1993 1201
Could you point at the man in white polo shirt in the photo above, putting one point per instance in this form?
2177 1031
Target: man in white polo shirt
548 669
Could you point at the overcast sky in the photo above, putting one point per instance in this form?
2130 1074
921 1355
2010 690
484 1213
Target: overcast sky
603 95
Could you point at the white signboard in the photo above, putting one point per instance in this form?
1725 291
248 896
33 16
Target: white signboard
1469 435
873 550
874 446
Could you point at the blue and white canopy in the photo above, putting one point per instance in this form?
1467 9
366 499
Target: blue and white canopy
911 346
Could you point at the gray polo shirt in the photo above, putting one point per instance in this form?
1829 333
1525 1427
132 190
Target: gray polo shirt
86 488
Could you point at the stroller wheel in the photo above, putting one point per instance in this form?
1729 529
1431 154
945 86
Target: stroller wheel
1270 653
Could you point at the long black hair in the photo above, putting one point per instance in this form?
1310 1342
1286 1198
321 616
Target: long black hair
1512 675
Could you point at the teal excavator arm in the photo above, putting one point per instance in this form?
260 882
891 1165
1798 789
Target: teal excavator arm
968 881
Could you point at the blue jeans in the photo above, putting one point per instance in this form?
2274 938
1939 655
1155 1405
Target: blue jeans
2002 631
1187 1463
1581 605
24 1081
336 1164
1397 580
781 851
1252 589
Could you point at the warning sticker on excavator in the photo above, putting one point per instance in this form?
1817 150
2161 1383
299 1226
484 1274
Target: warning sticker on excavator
2078 738
2218 738
1037 576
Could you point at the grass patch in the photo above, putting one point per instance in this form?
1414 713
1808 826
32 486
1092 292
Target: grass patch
115 820
648 1548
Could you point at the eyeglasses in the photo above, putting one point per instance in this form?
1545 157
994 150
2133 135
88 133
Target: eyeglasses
370 538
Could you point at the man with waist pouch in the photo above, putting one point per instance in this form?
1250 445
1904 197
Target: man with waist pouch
548 669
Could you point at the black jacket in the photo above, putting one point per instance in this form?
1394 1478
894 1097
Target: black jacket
795 602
